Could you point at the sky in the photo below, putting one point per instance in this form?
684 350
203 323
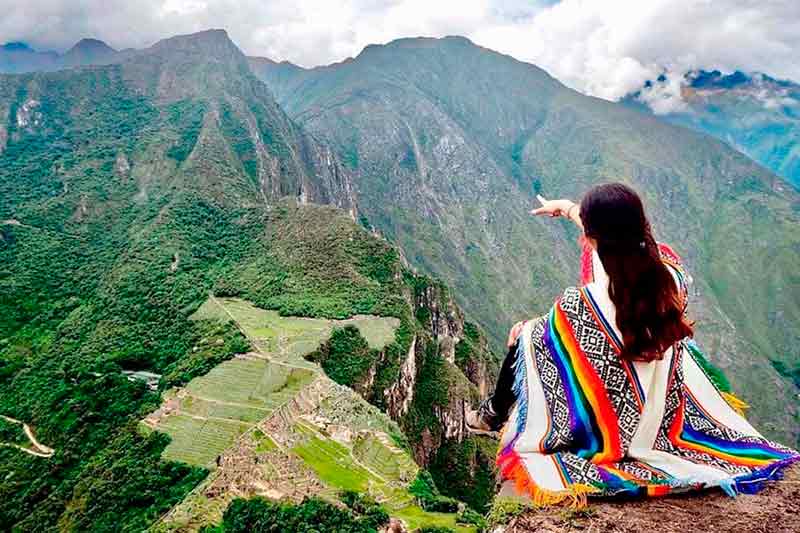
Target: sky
604 48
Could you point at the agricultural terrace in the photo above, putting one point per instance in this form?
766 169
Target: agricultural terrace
207 415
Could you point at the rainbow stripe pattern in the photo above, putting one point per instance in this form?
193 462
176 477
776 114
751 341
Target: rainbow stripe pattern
593 422
749 453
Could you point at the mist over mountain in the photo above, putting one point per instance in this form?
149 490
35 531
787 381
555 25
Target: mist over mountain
754 113
17 57
449 142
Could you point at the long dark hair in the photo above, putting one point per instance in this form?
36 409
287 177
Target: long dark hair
648 304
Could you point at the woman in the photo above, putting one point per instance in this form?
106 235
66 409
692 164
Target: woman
606 394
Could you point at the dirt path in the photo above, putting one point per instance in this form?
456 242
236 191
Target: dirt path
775 510
40 449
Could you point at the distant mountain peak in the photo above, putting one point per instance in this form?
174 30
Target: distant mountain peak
212 37
91 45
715 78
415 42
215 45
17 46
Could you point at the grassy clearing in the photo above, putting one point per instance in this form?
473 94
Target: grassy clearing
290 336
334 465
344 469
415 517
378 332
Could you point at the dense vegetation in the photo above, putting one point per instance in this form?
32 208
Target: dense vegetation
311 516
346 357
120 211
466 471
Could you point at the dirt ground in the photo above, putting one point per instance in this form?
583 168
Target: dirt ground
774 510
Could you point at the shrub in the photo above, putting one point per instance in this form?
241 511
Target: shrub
428 496
311 516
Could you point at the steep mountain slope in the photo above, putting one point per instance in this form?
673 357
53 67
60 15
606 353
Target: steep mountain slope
756 114
449 143
128 194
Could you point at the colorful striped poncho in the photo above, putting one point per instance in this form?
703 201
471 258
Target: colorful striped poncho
587 422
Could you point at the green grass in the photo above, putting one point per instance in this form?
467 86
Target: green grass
337 467
209 409
392 464
251 382
197 441
332 462
415 517
293 337
264 442
378 332
227 401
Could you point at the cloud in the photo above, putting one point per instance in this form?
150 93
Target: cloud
610 48
604 48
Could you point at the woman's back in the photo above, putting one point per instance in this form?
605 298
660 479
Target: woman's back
612 396
590 421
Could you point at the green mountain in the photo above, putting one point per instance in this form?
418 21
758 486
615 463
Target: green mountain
754 113
448 143
134 198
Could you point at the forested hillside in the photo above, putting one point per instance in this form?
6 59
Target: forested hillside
130 193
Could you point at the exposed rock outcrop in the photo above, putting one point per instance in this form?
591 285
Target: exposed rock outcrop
401 393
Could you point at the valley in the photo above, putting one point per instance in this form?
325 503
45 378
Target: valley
462 139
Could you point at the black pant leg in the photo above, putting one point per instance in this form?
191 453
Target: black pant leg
503 398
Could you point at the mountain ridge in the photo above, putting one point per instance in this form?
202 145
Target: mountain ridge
134 193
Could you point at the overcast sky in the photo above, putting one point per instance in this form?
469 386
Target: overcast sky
601 47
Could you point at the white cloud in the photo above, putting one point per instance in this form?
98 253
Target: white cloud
609 48
604 48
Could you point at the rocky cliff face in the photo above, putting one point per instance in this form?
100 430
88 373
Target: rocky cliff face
401 393
450 369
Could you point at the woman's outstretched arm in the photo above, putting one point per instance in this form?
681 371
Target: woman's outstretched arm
560 208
